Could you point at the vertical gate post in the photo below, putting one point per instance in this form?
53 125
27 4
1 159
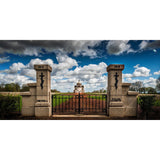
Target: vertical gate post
37 102
121 101
43 90
79 103
114 91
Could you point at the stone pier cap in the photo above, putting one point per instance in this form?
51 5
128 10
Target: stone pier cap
115 67
43 67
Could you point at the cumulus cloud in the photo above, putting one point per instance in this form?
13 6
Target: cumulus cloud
31 48
20 73
4 60
138 72
157 73
63 79
117 47
150 45
15 67
151 82
143 44
141 71
14 78
87 72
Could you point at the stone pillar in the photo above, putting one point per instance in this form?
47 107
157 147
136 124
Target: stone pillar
114 91
43 90
115 84
120 101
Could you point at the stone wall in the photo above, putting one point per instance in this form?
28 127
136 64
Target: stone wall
121 102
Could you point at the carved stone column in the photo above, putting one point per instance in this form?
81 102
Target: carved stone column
43 90
121 102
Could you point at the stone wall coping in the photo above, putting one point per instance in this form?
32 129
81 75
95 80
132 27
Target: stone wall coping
126 84
43 67
132 93
25 93
115 67
10 93
32 84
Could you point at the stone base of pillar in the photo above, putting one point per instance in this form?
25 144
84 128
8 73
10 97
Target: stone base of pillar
116 104
116 111
130 111
43 111
28 111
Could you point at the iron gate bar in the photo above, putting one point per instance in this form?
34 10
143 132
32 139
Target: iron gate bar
79 103
89 102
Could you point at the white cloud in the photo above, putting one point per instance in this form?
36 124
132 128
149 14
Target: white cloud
14 78
157 73
63 78
15 67
138 72
91 76
32 48
39 61
4 60
143 44
151 82
128 75
20 73
141 71
29 72
31 52
117 47
88 71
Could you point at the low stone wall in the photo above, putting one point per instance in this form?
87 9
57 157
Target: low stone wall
18 93
10 93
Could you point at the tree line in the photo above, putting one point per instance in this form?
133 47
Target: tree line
139 87
13 87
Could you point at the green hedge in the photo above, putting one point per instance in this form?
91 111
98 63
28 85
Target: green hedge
10 105
146 103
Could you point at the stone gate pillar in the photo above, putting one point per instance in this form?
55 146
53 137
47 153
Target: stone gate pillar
43 90
120 101
115 85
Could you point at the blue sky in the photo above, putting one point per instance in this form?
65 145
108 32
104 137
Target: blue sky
80 60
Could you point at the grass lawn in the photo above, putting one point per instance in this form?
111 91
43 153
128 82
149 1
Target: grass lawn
58 99
100 97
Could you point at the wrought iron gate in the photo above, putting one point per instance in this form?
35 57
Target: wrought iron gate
79 104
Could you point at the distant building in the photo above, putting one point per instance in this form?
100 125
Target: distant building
78 88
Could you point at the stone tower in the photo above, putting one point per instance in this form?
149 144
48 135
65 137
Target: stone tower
115 84
120 101
37 102
43 90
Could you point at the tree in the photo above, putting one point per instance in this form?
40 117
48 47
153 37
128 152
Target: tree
54 90
142 90
24 88
158 84
136 86
146 103
151 90
17 87
12 87
2 87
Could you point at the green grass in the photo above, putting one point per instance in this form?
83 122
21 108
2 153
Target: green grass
19 103
59 99
157 103
100 97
